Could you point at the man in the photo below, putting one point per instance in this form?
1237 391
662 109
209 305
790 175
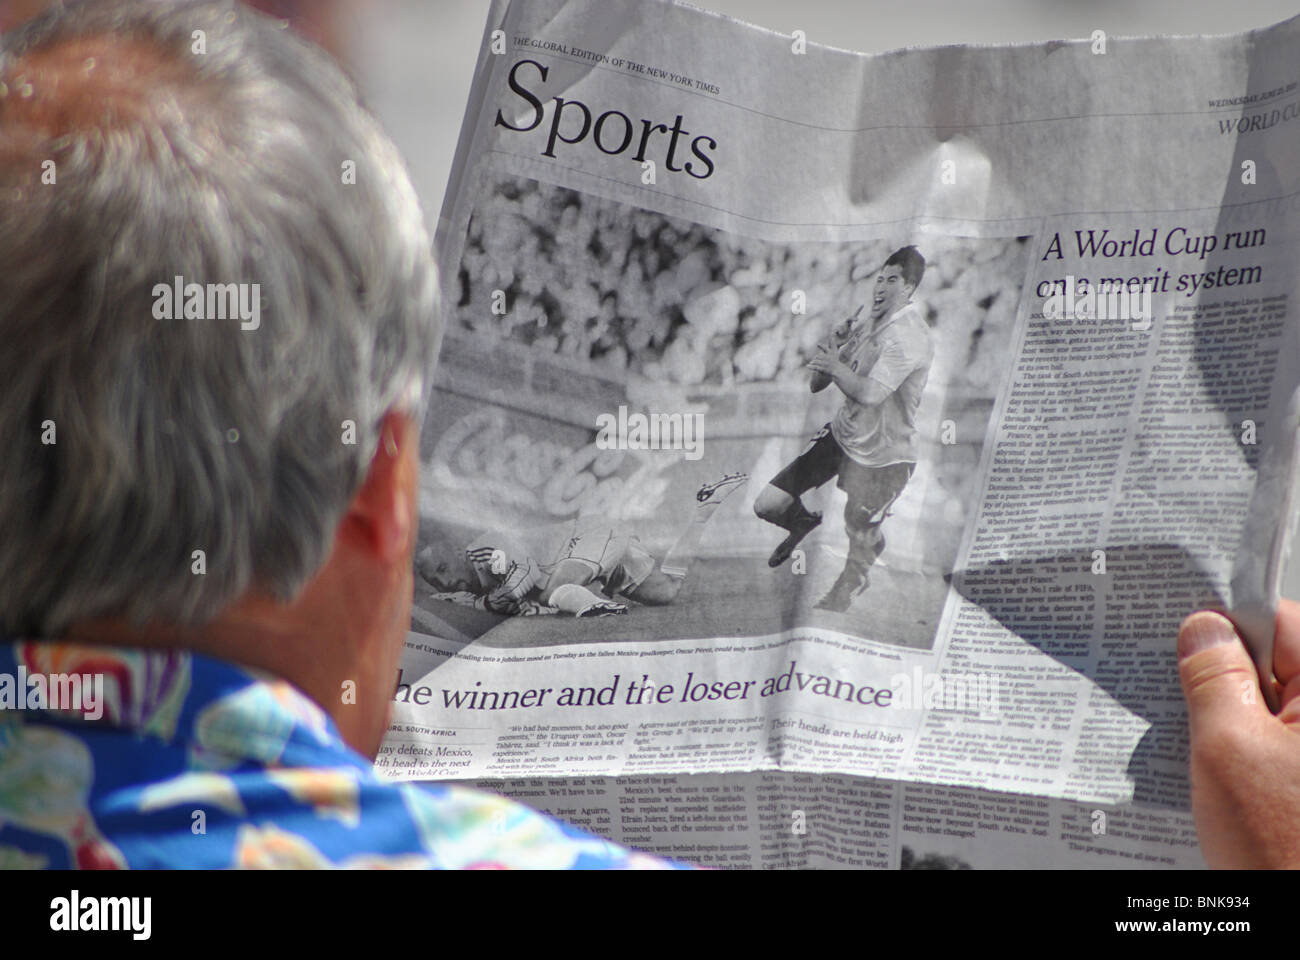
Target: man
880 366
217 301
550 569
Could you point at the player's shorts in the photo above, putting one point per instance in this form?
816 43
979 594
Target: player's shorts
620 562
871 488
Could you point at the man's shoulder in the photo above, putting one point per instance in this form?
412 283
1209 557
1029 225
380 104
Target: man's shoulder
491 545
910 331
318 818
209 765
414 825
911 319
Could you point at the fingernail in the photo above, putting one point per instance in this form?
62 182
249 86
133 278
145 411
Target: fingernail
1201 631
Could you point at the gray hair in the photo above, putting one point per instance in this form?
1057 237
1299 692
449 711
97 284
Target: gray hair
172 436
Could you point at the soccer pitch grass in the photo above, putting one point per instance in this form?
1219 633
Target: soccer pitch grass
721 598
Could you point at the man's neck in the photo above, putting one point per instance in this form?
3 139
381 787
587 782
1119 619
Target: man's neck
885 319
253 633
319 649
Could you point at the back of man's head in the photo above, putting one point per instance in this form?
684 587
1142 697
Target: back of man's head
153 148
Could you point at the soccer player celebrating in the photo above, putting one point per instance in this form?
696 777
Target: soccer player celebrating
880 366
551 569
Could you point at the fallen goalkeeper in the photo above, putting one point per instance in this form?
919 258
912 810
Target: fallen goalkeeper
554 568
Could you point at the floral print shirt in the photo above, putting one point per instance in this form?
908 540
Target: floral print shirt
176 760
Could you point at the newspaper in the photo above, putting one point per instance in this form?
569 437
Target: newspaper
824 448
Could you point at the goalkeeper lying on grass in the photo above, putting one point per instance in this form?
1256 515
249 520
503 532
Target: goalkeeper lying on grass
552 569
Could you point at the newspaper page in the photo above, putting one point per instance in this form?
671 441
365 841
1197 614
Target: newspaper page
833 443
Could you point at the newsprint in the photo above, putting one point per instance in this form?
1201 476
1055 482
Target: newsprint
824 448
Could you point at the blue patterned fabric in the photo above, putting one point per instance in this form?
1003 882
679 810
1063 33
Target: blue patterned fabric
170 759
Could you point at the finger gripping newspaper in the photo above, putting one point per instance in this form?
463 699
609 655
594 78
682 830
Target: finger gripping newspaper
825 447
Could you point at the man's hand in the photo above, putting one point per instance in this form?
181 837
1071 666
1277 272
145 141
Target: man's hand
827 361
820 379
839 336
502 601
1245 761
841 332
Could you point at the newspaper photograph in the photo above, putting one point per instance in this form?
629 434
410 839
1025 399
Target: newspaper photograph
816 431
627 505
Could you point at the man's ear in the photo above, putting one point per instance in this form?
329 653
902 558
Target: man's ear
379 519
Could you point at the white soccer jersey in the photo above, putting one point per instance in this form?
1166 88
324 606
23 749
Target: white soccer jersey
896 355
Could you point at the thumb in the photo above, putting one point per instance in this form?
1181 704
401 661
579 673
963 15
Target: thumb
1218 676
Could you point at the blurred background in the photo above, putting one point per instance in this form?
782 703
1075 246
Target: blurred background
414 59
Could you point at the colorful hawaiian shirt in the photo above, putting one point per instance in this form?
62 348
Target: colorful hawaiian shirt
159 759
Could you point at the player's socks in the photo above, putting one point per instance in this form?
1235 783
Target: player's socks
574 599
677 561
800 522
796 516
865 545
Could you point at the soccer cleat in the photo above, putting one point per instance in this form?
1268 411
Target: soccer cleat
717 491
847 588
603 608
802 528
